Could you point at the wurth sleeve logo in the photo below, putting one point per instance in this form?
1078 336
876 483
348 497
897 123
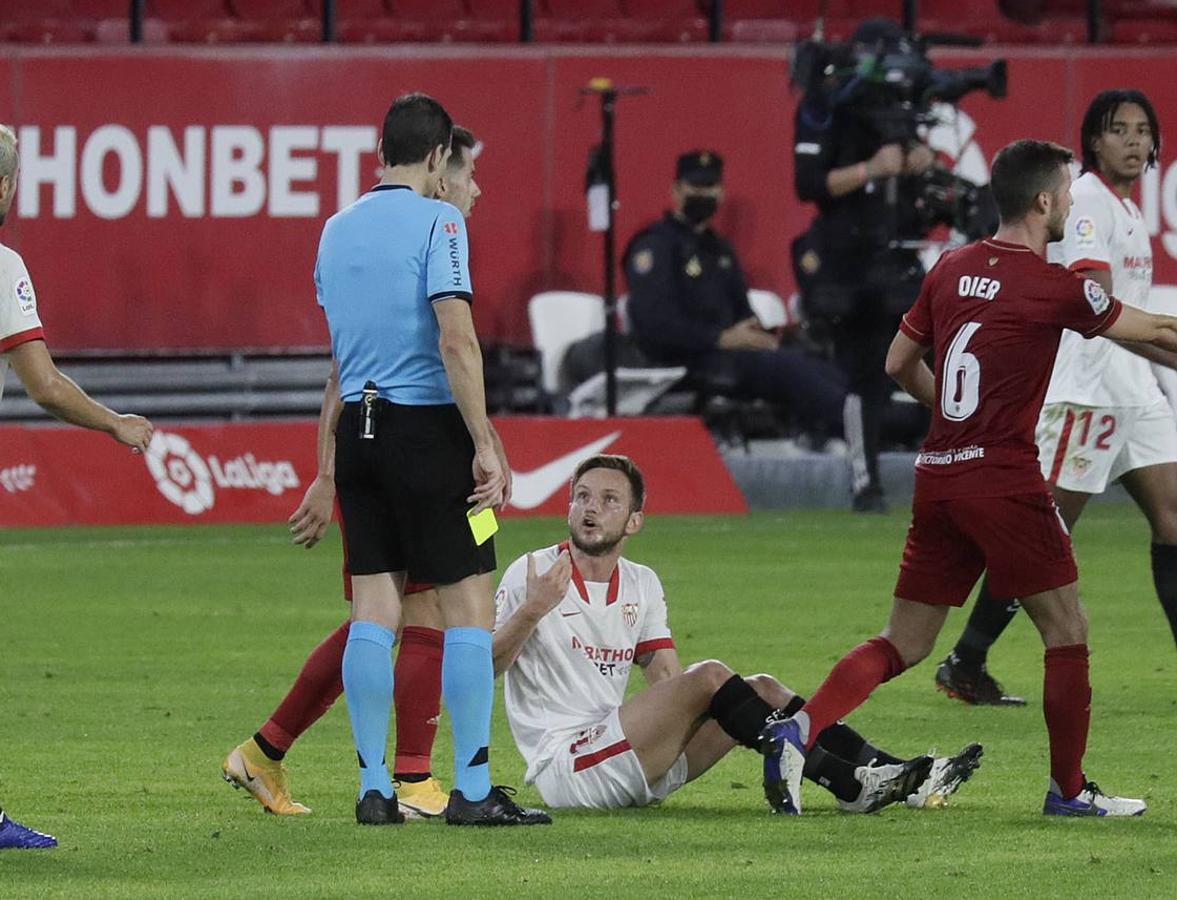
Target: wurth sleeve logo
455 259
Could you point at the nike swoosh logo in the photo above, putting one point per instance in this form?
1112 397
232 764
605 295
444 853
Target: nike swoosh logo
245 769
575 612
532 489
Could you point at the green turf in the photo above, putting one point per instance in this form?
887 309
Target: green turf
132 660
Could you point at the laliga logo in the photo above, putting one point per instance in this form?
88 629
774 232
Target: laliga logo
18 478
180 473
188 480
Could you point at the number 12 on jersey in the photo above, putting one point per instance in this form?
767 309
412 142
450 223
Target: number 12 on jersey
960 383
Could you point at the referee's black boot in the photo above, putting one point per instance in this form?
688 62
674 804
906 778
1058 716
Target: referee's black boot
376 809
497 809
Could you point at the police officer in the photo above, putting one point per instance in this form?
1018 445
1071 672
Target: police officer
414 452
851 279
688 305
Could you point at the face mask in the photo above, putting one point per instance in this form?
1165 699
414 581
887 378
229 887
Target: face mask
697 209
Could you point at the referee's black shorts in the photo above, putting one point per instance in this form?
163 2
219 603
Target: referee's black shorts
403 494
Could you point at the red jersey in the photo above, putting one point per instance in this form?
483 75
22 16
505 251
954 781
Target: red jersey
994 313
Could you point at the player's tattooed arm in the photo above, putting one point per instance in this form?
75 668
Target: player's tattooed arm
659 665
905 365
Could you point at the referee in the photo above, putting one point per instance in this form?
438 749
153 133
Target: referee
414 453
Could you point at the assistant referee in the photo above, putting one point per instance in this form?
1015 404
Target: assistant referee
414 453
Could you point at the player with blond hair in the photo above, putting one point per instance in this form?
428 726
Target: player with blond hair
23 348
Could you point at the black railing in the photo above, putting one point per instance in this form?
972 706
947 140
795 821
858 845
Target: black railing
907 11
137 13
329 21
525 20
715 22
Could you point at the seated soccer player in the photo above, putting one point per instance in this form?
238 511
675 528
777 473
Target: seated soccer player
573 619
14 836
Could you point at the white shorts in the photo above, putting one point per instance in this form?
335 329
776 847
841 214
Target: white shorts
597 769
1084 448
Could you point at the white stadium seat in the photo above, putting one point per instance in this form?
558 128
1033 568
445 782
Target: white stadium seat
558 320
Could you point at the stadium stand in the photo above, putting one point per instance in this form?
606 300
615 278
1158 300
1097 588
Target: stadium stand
54 21
280 21
1030 22
240 386
233 386
196 21
617 21
365 22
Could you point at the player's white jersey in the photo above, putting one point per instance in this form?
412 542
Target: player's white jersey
573 669
18 307
1104 231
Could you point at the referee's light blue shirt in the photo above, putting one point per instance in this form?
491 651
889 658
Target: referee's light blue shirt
382 263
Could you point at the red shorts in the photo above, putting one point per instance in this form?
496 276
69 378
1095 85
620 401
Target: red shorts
1020 540
411 587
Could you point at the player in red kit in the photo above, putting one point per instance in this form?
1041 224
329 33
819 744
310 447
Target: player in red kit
993 312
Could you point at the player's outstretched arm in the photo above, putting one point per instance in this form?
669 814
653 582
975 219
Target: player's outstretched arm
308 523
544 593
905 365
1146 328
1151 353
57 394
1103 277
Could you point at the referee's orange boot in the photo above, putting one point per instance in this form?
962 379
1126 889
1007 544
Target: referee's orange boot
265 779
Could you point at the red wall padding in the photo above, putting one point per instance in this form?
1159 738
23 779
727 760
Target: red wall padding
119 264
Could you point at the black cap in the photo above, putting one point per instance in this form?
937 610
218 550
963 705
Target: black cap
876 30
702 168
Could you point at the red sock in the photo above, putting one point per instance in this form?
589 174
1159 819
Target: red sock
318 685
850 682
1066 704
417 698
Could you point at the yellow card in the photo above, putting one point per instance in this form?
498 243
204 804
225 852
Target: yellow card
483 525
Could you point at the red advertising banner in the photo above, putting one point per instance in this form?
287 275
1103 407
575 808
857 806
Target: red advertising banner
51 475
183 211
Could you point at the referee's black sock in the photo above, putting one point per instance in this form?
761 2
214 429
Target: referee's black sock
1164 577
740 711
987 621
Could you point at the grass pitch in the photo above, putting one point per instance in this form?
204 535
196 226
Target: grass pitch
132 660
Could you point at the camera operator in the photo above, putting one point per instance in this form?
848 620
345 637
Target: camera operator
853 282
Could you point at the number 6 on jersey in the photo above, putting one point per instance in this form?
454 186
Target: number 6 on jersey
960 386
